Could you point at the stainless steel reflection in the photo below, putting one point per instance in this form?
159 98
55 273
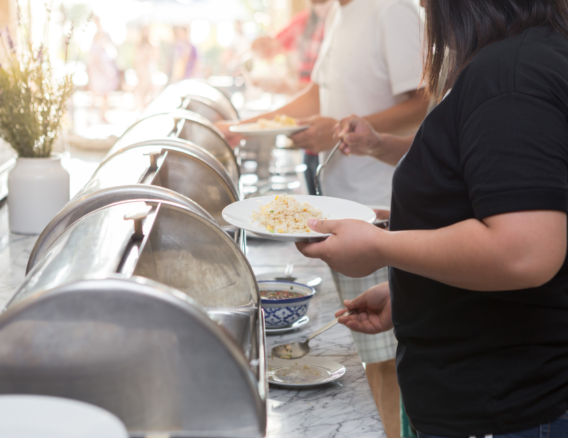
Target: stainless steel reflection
195 96
181 166
194 255
84 205
141 350
181 248
185 125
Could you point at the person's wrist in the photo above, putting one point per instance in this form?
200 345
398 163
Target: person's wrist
381 241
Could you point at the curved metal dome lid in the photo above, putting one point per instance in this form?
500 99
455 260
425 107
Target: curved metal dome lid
183 146
80 339
84 205
179 248
176 94
173 124
194 87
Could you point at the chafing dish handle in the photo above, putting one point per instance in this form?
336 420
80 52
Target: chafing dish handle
138 217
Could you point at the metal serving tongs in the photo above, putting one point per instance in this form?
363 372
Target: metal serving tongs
296 350
321 166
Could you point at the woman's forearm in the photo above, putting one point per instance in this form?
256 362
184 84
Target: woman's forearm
304 104
505 252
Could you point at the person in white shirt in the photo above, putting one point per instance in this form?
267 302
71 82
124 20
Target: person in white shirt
369 65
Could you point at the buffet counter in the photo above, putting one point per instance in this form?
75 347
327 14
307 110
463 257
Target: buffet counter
340 409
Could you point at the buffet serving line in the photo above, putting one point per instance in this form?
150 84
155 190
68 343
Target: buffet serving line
138 296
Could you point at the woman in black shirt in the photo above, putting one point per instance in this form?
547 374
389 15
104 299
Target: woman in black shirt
478 237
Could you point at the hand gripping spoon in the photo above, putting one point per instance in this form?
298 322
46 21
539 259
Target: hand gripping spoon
296 350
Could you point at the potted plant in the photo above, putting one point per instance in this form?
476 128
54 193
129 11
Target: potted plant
32 106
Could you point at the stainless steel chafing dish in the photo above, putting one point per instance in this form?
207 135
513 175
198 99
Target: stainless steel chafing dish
172 163
84 205
185 125
113 315
195 96
192 176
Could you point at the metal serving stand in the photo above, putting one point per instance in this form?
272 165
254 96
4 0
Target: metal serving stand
149 310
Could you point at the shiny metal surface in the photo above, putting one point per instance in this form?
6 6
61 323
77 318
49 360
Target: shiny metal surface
84 205
195 96
192 254
141 350
91 248
185 125
182 167
296 350
322 165
181 248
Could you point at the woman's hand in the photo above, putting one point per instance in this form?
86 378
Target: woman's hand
232 138
372 311
359 138
318 137
351 249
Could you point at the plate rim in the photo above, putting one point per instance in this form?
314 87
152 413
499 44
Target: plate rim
288 237
342 370
284 130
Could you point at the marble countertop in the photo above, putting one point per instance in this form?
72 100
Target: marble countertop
344 408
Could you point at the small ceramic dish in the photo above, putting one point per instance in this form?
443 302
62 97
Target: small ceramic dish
283 312
306 372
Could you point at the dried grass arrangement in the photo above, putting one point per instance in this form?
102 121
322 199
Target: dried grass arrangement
32 98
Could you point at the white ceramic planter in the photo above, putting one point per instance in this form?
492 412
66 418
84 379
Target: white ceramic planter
37 189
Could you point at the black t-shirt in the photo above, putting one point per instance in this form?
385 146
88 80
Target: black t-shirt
472 363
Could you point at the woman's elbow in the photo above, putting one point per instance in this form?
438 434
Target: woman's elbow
535 270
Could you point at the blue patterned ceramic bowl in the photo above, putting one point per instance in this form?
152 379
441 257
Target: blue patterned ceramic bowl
284 312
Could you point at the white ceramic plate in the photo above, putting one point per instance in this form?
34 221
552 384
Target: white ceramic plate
248 130
280 331
240 215
307 372
36 416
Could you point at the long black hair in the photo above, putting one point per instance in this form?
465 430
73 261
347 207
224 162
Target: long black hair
459 29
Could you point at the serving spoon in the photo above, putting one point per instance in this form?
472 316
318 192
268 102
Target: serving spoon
322 165
296 350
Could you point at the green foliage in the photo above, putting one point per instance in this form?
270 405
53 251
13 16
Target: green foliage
32 104
32 100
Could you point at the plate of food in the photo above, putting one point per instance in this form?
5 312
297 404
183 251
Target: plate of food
285 217
306 372
279 125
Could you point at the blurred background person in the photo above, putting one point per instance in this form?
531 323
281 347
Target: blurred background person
101 68
184 55
300 41
233 54
145 65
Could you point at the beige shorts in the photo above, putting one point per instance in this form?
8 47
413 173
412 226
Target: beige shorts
371 348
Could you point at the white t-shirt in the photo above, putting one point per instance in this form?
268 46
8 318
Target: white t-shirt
370 57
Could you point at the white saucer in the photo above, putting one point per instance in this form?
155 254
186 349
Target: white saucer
36 416
307 372
240 214
248 130
280 331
